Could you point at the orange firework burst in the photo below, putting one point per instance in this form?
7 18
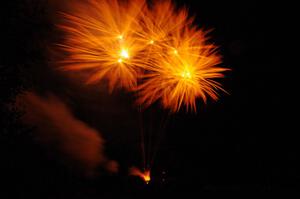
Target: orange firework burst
158 22
183 68
100 36
158 44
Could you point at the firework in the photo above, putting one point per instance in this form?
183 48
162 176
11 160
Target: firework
183 72
154 50
100 37
158 22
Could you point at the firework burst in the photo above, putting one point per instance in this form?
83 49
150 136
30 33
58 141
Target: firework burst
158 23
157 45
100 37
182 70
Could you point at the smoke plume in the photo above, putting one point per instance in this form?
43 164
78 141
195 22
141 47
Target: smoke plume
79 145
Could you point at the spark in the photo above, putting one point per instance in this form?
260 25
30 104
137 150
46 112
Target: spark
186 74
124 54
146 175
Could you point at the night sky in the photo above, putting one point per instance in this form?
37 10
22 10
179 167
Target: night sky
233 144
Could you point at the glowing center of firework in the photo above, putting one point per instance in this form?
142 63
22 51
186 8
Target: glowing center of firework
124 54
186 74
175 52
120 37
151 42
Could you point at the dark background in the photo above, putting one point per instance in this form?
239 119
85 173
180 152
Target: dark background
235 144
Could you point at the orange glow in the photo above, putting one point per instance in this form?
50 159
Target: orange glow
100 37
124 54
120 37
143 175
146 176
184 69
159 45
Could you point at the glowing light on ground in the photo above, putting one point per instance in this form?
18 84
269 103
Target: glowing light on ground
145 176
